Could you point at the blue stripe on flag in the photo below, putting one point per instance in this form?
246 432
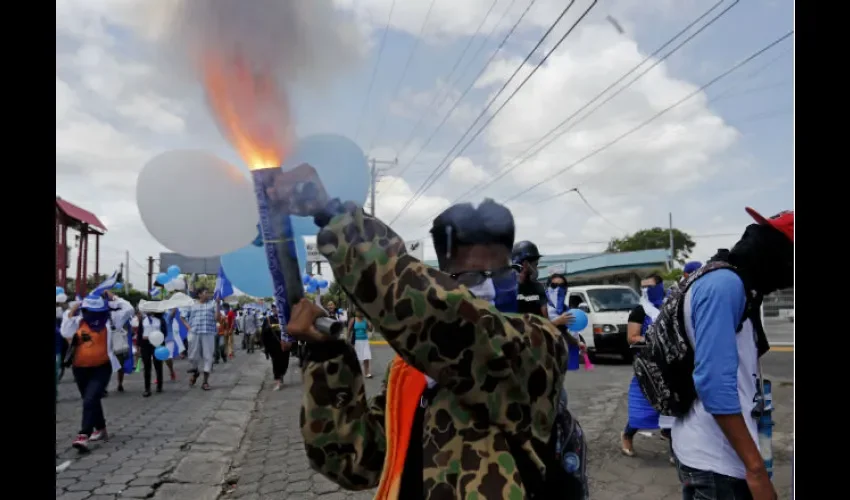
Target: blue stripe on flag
223 287
106 285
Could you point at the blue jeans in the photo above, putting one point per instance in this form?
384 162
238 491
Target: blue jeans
704 485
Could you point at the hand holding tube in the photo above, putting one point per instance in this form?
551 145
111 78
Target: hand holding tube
310 323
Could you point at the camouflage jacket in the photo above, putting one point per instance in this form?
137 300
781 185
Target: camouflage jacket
498 374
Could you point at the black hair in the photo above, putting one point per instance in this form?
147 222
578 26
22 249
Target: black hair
464 225
557 275
199 290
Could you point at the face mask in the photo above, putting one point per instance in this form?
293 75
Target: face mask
557 285
501 293
95 320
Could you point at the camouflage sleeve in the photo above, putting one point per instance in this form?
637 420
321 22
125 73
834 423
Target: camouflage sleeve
489 360
343 431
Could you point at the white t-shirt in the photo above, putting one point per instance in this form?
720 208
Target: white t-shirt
698 441
150 325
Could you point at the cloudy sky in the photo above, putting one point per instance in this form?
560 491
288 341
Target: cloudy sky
120 100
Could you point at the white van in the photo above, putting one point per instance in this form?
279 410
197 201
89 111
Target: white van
607 308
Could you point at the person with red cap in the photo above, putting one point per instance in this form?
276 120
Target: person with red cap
716 442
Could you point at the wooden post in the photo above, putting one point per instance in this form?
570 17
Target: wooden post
96 257
78 287
84 246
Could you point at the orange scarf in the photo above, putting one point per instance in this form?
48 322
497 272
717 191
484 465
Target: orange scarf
405 385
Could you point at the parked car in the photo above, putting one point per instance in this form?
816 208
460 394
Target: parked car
607 308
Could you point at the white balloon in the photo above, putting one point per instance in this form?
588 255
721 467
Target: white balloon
156 338
175 284
196 204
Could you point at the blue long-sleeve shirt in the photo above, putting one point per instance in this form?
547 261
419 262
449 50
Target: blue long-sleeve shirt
718 301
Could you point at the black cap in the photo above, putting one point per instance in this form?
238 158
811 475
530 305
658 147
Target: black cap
465 225
524 250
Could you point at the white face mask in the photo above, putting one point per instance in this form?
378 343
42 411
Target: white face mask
485 291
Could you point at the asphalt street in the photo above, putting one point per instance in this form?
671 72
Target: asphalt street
241 439
272 463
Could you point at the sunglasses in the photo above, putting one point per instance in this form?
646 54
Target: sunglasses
474 278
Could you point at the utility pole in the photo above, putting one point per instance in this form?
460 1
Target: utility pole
374 174
127 270
672 254
150 274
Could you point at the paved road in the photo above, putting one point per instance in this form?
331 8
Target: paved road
177 444
780 332
272 463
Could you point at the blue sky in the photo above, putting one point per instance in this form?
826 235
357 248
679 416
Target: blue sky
704 162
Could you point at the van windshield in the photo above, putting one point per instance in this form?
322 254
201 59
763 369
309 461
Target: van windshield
613 299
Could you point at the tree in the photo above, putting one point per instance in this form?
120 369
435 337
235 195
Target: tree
336 294
655 238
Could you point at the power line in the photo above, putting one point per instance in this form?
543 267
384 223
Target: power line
590 207
403 73
655 116
448 92
374 72
468 88
430 106
525 156
437 172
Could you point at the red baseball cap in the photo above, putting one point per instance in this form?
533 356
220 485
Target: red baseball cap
782 222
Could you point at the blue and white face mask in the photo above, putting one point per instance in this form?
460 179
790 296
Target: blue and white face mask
497 287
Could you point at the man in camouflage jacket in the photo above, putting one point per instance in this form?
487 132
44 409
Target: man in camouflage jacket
497 375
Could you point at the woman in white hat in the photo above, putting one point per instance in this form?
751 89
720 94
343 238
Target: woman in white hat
89 325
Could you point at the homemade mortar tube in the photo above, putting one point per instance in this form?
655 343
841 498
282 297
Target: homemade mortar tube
279 243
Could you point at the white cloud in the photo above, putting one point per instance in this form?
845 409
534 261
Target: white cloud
677 152
115 109
463 170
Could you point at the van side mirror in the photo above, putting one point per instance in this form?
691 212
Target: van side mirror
584 307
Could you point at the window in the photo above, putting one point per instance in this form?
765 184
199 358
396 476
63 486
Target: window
575 300
613 299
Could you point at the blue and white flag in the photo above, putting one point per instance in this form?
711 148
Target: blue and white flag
106 285
223 287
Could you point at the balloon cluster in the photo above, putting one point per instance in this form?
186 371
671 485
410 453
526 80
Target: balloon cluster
171 279
207 194
59 291
312 284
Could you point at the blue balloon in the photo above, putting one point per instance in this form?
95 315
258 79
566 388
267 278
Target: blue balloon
248 270
161 353
304 279
311 288
322 283
59 290
173 271
340 163
303 226
118 286
580 322
162 278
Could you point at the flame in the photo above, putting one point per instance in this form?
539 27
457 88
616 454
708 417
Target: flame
250 109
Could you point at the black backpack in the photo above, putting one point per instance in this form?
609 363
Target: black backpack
665 367
565 457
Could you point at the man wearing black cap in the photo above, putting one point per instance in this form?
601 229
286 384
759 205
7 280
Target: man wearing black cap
532 295
471 397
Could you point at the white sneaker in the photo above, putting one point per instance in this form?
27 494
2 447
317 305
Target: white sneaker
99 435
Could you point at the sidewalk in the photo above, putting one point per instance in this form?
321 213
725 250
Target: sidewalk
177 444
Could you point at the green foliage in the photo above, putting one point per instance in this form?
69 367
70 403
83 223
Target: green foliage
672 276
655 238
336 294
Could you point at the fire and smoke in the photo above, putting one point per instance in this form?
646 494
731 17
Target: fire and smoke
248 53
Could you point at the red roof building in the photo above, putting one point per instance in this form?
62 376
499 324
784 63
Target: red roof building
70 216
